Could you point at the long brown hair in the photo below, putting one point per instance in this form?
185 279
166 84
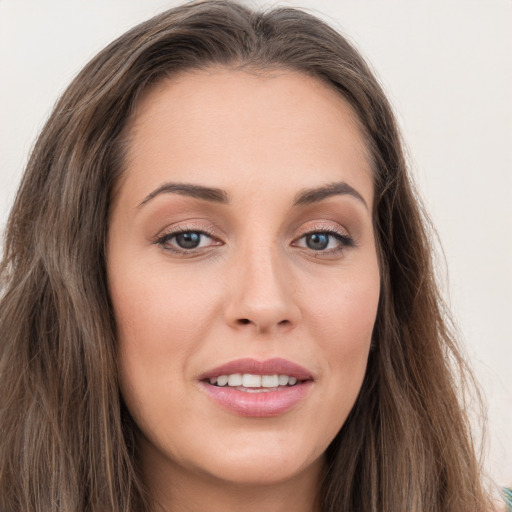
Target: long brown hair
66 440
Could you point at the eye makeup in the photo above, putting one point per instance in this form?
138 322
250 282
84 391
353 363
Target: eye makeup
187 239
187 227
329 241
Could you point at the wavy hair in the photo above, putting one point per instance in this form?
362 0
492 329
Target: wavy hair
67 442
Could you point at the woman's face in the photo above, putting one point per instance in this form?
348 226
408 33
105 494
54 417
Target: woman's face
241 249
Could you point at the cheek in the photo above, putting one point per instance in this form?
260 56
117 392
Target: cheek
340 317
341 320
343 311
157 305
162 318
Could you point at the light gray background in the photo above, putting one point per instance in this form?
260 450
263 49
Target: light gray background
447 67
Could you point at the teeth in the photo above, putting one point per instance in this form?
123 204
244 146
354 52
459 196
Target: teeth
251 381
235 380
222 380
282 380
269 381
248 380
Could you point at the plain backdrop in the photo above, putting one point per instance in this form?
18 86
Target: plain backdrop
447 68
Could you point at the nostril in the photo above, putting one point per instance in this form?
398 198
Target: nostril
246 321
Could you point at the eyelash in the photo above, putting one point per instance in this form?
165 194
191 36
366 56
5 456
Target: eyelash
163 241
344 240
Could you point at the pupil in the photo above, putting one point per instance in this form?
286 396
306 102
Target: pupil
188 240
317 241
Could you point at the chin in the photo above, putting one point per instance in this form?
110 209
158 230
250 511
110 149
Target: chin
252 459
264 470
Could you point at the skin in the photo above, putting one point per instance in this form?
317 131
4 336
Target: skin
253 288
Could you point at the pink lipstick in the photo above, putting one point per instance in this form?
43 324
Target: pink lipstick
253 388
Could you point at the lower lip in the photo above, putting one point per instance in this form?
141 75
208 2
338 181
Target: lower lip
258 405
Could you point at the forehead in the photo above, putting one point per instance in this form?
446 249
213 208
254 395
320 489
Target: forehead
218 125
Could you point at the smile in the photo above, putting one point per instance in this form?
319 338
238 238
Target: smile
252 388
251 383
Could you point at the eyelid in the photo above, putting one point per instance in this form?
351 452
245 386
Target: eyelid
345 240
169 233
323 226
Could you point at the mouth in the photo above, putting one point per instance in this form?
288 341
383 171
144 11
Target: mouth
252 383
254 388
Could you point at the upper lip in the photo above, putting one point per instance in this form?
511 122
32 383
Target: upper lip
267 367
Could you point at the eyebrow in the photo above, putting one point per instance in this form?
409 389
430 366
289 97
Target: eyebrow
215 195
314 195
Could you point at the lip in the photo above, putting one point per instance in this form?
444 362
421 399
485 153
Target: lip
267 367
263 404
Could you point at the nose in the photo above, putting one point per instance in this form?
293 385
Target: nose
262 293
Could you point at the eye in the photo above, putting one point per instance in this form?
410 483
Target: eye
189 239
318 241
184 241
326 241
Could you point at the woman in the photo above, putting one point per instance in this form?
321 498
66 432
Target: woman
218 290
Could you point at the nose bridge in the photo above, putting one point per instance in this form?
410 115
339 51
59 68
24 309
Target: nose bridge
262 291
